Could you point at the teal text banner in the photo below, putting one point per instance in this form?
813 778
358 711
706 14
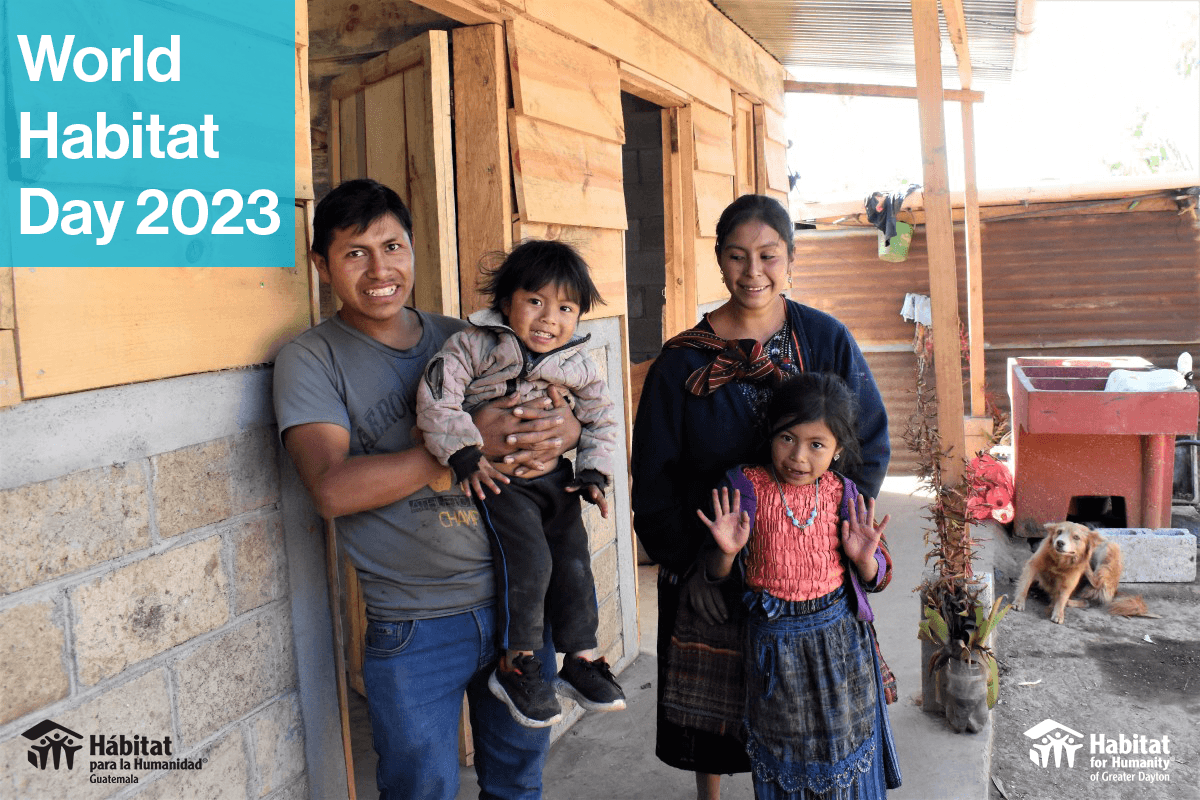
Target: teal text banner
148 133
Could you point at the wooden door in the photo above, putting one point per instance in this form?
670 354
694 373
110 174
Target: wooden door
391 122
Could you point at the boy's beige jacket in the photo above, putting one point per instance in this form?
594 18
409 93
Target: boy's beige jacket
487 361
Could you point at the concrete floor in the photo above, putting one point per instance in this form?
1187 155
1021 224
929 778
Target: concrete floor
612 755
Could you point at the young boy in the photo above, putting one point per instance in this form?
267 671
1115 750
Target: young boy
520 346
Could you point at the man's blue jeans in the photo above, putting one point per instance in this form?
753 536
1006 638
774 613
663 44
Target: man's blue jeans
416 672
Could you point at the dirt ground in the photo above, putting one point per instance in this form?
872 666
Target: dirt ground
1132 681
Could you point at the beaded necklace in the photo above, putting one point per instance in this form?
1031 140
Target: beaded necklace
790 514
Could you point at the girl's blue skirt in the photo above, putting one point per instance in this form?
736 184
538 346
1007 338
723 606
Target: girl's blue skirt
817 721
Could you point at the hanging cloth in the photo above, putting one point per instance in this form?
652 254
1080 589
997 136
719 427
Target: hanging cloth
883 208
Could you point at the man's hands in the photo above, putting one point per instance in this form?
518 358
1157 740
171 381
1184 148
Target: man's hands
529 437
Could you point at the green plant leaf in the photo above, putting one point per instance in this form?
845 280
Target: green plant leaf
993 681
935 628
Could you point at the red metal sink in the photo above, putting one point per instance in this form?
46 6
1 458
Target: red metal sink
1072 439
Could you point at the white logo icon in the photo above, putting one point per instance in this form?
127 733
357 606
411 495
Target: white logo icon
1053 737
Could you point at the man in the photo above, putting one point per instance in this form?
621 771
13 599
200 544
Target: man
345 403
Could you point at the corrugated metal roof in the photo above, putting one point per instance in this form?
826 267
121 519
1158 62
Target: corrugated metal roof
871 41
1084 285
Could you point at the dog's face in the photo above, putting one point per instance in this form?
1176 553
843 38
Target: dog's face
1070 540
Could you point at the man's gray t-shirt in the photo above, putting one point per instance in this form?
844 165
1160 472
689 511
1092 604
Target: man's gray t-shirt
426 555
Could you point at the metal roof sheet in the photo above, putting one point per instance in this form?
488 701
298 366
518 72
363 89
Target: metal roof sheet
871 41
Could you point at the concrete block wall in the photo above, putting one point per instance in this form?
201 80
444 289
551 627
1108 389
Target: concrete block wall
144 593
610 539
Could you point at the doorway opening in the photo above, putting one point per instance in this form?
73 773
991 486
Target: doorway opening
645 241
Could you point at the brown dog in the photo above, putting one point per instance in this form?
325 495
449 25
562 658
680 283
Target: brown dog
1069 554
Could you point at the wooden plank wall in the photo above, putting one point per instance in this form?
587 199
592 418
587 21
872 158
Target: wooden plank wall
567 63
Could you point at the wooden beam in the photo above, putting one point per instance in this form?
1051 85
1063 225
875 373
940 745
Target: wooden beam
956 26
332 575
642 84
482 154
679 206
939 232
974 250
465 11
871 90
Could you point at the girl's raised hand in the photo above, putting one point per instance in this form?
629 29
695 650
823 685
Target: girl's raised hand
731 526
860 536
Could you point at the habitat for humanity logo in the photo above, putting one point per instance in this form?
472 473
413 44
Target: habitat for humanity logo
1114 759
55 746
1051 737
52 744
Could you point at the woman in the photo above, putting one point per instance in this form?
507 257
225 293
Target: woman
701 412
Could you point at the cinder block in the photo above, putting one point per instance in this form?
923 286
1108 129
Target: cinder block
601 532
278 743
31 660
259 564
227 677
604 571
1155 555
148 607
223 775
140 707
206 483
608 631
60 526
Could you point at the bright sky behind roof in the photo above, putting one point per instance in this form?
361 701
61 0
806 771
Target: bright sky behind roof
1094 67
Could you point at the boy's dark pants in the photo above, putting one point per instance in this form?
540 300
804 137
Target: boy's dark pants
543 563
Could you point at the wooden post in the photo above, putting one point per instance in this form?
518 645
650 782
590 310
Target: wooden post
332 574
974 248
939 232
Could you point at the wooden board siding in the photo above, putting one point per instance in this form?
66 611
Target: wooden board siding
137 324
565 176
714 135
10 381
303 144
7 306
713 193
745 147
602 249
710 287
775 160
562 81
481 153
707 34
631 40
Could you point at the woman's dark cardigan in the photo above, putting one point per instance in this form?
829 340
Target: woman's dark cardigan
682 444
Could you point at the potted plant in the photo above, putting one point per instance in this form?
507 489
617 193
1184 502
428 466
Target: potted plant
971 683
961 676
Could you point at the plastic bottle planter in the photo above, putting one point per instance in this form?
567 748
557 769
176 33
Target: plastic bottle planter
964 695
896 248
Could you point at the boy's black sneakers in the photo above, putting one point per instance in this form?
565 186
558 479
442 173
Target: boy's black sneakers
530 700
591 684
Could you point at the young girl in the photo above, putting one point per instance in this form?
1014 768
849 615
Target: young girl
809 548
523 345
